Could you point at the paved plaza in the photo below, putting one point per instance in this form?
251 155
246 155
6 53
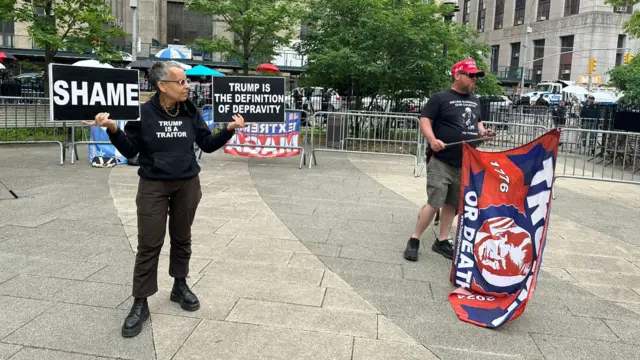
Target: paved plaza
296 264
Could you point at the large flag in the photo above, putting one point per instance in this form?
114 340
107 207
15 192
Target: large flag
503 220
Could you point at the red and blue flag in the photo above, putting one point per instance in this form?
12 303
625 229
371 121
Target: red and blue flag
502 228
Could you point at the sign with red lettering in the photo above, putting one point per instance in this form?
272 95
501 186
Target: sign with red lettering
267 140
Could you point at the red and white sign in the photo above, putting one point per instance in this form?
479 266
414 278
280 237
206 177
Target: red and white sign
266 140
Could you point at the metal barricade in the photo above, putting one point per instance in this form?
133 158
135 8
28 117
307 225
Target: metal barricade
422 141
509 136
525 115
366 133
26 121
74 143
612 156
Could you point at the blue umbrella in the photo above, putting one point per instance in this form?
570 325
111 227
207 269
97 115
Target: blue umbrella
201 70
170 53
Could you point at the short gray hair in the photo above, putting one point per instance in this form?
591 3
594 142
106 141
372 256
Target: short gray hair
159 71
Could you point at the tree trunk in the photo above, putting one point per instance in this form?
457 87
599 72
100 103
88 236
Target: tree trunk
245 65
49 56
246 43
49 53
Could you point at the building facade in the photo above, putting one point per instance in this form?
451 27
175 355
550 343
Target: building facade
160 23
562 36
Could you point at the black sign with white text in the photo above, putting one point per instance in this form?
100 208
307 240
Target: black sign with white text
78 93
258 99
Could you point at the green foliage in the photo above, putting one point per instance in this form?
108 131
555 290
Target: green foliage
632 26
72 25
26 66
258 26
627 79
389 47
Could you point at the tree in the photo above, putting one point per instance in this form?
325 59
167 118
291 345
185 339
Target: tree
631 26
627 78
389 47
73 25
258 27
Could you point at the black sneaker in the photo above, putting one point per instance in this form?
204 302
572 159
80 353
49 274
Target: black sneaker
444 248
411 252
437 220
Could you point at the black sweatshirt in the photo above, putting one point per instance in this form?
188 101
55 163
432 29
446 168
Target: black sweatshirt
164 144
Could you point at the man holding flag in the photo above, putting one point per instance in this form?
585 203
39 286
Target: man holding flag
450 116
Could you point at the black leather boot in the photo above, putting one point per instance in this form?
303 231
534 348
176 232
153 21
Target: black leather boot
137 316
184 296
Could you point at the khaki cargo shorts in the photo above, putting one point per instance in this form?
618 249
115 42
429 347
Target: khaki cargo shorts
443 184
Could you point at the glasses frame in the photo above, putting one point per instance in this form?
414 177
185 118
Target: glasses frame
181 82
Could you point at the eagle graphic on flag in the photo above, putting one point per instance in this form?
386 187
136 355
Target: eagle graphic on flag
502 227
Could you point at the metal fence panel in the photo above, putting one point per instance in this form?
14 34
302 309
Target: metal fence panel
509 136
365 133
25 121
594 154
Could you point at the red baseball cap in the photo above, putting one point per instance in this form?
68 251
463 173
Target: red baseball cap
467 66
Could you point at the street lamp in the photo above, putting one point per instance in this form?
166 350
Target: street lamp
134 33
448 18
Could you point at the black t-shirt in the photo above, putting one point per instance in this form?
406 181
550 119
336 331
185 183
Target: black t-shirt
454 117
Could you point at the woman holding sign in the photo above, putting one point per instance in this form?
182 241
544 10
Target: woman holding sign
169 183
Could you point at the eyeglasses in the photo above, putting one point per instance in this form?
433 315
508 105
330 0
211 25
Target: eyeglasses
181 82
470 76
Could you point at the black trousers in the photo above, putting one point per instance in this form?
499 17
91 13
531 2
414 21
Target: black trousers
155 200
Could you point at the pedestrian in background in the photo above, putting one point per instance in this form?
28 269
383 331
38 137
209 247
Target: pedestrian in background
169 183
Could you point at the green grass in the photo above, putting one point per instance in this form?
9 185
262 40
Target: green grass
40 134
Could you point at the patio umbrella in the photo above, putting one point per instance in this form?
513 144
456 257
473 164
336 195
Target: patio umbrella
92 63
268 68
141 64
5 56
170 53
201 70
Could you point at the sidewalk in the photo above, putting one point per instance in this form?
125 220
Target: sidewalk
293 264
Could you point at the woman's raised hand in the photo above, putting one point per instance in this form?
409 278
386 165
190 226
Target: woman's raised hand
102 120
237 124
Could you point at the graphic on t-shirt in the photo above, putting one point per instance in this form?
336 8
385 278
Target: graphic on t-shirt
469 119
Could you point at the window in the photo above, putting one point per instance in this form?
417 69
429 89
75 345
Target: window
499 17
538 55
482 12
184 26
621 41
544 7
518 17
571 7
495 58
624 9
515 55
566 48
620 50
466 11
6 33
